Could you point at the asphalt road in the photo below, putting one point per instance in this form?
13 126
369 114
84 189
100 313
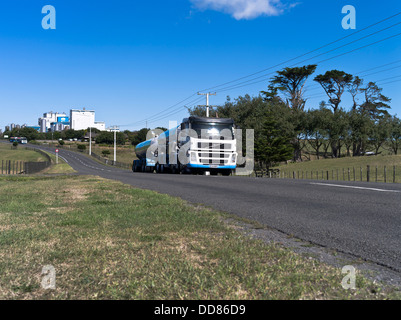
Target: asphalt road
362 219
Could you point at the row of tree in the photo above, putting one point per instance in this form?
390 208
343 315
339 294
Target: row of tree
101 137
284 130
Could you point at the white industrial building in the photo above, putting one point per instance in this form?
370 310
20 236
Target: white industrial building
84 119
78 120
48 119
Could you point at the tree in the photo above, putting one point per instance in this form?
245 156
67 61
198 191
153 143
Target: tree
316 129
108 138
272 146
140 136
29 133
395 134
359 126
375 102
380 132
291 82
334 83
354 88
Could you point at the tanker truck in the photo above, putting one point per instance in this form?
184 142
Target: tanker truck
198 145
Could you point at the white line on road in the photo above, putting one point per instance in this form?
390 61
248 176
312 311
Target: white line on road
354 187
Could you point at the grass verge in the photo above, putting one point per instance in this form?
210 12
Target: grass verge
7 152
107 240
347 169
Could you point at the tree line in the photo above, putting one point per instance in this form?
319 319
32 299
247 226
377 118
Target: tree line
284 130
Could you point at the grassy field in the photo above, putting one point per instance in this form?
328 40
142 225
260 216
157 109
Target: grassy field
58 168
339 168
107 240
125 154
7 152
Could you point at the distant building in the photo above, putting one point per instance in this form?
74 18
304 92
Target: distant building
77 120
84 119
48 119
37 128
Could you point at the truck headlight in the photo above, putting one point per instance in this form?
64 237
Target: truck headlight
193 157
233 158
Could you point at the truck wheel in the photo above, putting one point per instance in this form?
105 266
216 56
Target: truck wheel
226 172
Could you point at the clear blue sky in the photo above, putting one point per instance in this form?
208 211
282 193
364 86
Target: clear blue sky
130 60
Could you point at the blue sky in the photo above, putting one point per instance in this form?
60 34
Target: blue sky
134 60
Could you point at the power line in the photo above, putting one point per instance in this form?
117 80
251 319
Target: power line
305 54
377 81
244 84
159 116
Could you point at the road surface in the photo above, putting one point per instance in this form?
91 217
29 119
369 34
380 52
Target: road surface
362 219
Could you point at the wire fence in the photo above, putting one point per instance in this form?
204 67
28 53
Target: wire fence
386 174
111 162
17 167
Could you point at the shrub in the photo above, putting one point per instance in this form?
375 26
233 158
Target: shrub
81 147
105 153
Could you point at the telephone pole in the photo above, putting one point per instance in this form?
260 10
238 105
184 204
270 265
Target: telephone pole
90 140
207 101
115 129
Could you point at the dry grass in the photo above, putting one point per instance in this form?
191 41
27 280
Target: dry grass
107 240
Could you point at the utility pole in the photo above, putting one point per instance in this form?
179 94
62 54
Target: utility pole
207 101
90 140
115 128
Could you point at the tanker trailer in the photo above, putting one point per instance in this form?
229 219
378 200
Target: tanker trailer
198 145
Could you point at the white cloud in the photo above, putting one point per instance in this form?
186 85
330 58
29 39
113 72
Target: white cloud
243 9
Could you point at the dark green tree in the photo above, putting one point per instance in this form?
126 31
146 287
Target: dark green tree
290 82
376 104
272 146
395 134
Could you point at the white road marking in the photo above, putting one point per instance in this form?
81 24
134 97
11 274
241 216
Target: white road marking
354 187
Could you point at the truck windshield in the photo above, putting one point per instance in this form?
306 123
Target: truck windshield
213 130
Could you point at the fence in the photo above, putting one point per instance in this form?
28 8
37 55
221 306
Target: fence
387 174
111 162
14 167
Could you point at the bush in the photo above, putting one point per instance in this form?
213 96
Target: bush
105 153
81 147
15 144
61 142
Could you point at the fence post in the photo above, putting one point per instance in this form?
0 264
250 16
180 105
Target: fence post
349 174
327 173
385 174
361 172
9 166
2 166
393 174
368 174
376 174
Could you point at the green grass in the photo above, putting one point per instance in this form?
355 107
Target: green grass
339 167
125 154
58 168
7 152
107 240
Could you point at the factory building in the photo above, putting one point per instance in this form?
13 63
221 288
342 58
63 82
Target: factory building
48 120
83 119
77 120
